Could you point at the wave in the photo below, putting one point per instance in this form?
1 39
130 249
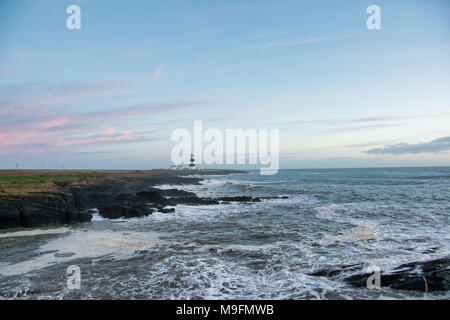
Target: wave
35 232
84 244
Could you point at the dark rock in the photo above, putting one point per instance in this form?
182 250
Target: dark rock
113 199
63 254
271 198
176 193
91 197
166 210
151 196
239 199
39 210
124 209
424 276
336 270
277 197
190 201
127 197
432 275
249 199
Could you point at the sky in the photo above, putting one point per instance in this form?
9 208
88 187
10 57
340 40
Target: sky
109 95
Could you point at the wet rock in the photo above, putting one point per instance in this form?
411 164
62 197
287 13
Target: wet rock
190 201
336 270
429 276
176 193
124 209
40 210
248 199
272 198
63 254
91 197
424 276
166 210
151 196
239 199
127 197
113 198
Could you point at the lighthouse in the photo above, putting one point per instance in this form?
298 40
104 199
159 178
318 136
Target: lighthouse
192 165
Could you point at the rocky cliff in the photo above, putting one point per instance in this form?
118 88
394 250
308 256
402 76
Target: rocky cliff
53 201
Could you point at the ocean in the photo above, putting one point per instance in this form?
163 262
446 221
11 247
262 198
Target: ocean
265 250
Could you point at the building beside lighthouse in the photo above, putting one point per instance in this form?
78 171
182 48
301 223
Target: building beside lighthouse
192 165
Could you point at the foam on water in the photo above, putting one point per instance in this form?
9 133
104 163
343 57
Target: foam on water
96 216
84 244
363 231
35 232
260 250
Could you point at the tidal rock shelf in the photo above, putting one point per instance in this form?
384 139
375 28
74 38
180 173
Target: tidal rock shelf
424 276
34 198
127 205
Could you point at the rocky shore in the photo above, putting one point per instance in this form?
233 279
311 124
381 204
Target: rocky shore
128 195
132 195
424 276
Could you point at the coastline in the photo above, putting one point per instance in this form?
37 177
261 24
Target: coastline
222 226
51 198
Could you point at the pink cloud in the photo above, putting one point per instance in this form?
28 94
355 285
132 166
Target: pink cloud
111 130
3 138
80 141
125 135
37 117
54 122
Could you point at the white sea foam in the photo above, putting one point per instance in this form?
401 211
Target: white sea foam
35 232
96 216
170 186
84 244
199 213
261 250
364 231
211 277
329 212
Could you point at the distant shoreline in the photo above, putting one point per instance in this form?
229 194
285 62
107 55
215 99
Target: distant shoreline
20 181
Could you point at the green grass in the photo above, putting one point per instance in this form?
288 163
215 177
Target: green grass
21 182
25 182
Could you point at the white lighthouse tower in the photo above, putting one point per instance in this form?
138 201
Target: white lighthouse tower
192 165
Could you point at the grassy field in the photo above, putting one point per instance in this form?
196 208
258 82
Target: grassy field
15 182
23 182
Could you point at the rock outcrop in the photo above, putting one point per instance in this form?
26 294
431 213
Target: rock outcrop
425 276
433 275
114 199
151 196
40 210
124 209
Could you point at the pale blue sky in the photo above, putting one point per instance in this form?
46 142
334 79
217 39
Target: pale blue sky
109 95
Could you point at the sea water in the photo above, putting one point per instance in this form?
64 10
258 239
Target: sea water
266 250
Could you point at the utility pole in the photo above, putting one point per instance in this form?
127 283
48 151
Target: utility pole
17 165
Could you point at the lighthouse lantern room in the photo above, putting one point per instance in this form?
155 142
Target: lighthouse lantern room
192 165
